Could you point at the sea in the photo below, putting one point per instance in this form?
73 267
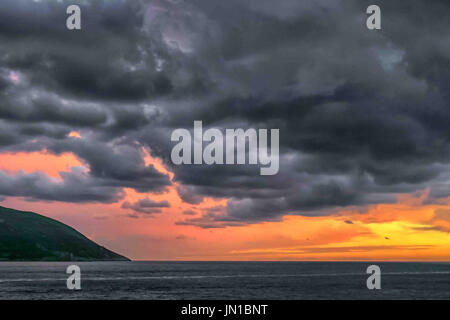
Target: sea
145 280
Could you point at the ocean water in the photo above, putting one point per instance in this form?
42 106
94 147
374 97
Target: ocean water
224 280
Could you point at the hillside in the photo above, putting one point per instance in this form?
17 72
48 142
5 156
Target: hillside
27 236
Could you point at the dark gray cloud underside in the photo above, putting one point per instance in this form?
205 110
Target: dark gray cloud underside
363 115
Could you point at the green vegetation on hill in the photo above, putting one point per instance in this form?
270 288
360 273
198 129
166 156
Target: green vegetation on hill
27 236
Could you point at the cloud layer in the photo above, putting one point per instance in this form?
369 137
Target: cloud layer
363 115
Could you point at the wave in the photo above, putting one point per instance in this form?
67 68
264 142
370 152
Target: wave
187 277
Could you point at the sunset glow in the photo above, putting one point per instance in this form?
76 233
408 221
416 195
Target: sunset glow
406 230
119 118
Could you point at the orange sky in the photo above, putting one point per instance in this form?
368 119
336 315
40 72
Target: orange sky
407 230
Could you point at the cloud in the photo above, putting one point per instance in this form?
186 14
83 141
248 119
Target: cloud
182 237
336 249
363 115
188 195
146 206
432 228
76 187
189 212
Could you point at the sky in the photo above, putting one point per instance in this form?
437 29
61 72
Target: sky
86 118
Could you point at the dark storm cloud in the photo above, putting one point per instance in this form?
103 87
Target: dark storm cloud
88 82
74 187
119 164
363 115
103 63
189 195
360 114
34 107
